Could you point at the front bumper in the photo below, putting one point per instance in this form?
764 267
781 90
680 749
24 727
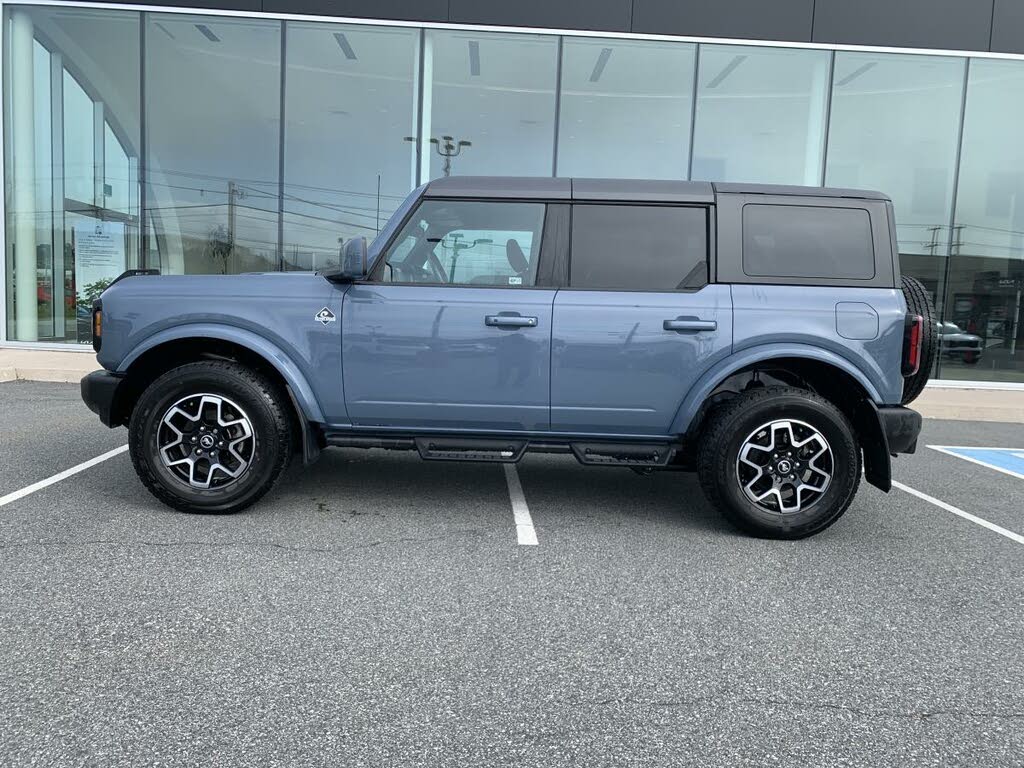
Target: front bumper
901 427
99 391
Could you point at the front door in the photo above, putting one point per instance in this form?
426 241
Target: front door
453 334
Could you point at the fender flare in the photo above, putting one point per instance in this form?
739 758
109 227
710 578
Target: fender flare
706 384
274 355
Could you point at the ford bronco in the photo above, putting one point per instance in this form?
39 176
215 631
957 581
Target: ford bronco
761 336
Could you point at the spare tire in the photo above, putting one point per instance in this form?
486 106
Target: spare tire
920 303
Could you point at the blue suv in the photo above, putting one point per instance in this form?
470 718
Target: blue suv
760 335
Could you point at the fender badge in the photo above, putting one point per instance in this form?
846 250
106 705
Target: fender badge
324 316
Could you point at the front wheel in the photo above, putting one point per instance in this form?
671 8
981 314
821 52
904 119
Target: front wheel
779 462
210 436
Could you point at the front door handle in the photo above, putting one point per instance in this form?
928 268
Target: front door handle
685 324
510 321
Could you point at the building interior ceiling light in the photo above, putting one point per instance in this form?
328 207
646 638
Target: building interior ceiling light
600 64
727 70
855 74
345 46
208 33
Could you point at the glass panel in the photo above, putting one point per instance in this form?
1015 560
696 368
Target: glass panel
95 55
350 101
118 174
638 248
986 270
807 241
48 291
212 122
760 114
625 109
79 146
894 128
496 92
469 243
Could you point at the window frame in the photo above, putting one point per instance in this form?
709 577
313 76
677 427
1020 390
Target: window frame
710 244
546 255
730 239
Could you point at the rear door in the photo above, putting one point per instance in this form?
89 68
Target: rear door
454 333
638 322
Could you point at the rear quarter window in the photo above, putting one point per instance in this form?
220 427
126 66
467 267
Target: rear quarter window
804 241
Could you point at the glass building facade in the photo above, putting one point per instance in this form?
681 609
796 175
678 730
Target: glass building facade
216 144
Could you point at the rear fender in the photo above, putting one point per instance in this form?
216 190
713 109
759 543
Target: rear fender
282 363
704 386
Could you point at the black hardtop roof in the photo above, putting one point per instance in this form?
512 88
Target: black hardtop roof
628 190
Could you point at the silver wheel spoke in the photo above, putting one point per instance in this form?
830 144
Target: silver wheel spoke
206 441
784 466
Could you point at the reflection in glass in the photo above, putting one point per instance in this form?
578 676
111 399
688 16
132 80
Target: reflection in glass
71 114
350 101
760 115
893 128
986 266
496 92
212 122
625 109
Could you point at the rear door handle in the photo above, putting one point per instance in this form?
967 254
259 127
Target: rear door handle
510 321
684 324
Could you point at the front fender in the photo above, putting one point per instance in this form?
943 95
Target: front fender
269 351
706 384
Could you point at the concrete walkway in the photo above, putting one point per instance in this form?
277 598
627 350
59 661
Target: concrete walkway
46 365
937 402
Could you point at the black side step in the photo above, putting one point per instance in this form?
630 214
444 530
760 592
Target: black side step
470 449
623 454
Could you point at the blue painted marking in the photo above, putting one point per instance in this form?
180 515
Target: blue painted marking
1008 460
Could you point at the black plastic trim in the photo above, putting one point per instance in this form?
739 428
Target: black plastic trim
99 392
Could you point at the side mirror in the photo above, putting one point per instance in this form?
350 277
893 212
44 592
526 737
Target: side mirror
353 263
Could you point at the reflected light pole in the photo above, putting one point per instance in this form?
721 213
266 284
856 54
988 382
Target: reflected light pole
447 147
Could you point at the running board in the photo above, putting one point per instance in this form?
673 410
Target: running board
470 449
509 451
623 454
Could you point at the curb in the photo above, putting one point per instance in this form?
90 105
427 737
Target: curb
52 375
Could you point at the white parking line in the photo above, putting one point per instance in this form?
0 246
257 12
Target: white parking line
524 523
4 500
957 511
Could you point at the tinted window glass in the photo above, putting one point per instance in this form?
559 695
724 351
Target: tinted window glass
807 241
468 243
638 248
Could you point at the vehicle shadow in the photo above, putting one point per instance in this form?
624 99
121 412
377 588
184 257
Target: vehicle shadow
560 492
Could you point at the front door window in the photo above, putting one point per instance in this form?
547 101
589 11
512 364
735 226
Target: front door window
456 242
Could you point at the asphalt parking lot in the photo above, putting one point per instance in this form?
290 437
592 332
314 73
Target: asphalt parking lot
378 610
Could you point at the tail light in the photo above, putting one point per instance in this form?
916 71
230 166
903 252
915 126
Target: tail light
912 331
97 324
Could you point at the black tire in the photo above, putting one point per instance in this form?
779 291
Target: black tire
729 427
920 303
263 404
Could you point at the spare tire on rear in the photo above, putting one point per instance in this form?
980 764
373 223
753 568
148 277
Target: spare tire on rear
920 303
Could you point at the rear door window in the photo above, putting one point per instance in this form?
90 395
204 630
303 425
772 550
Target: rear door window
638 247
804 241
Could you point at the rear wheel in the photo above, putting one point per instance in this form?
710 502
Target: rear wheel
920 303
210 436
779 462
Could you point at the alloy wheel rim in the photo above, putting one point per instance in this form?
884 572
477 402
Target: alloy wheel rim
785 466
206 441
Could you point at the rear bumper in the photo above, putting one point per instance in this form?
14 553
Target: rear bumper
901 427
99 390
